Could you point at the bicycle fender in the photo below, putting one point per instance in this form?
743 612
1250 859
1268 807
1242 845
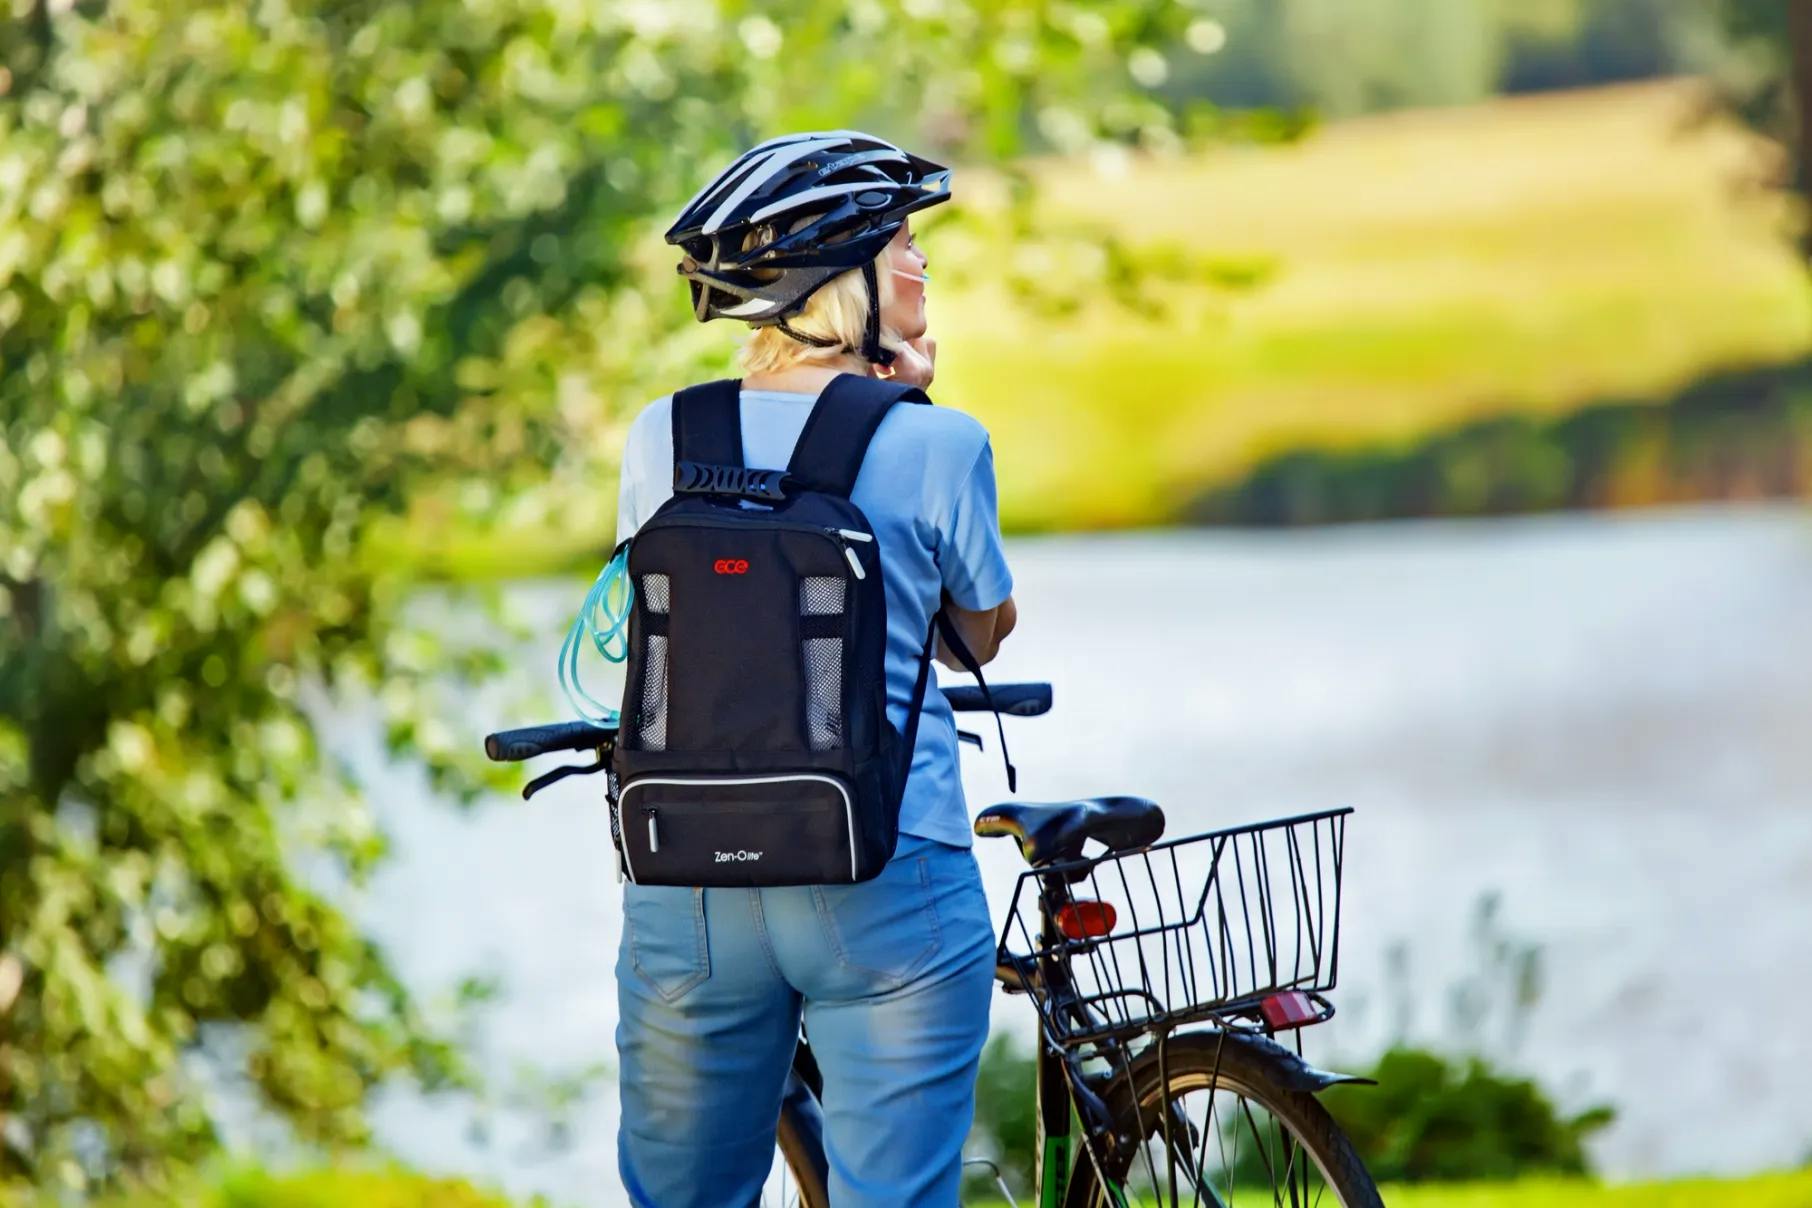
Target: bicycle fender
1292 1070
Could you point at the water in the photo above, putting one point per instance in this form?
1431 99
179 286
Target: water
1602 720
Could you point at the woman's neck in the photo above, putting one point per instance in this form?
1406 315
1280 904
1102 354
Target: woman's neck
809 378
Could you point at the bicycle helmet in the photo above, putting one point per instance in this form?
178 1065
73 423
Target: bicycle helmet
808 207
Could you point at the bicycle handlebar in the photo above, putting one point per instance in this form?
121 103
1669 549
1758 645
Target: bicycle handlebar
513 746
1019 700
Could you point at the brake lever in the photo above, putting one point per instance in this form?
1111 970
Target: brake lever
561 773
970 737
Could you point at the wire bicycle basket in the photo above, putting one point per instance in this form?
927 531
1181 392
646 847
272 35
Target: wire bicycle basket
1207 926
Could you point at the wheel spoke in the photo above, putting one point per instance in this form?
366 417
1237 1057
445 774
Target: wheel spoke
1258 1139
1261 1137
1225 1166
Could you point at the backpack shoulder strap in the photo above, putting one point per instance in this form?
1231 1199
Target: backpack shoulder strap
946 628
942 626
835 438
707 423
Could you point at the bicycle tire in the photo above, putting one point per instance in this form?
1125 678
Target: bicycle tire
1193 1057
804 1159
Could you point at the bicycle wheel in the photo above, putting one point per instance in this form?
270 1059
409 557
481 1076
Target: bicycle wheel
1236 1136
797 1180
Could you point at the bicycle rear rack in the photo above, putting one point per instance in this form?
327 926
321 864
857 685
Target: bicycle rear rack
1208 926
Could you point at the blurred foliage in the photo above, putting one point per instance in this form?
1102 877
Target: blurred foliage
1765 74
249 1187
1006 1119
1344 57
1754 71
1736 435
1434 1119
270 276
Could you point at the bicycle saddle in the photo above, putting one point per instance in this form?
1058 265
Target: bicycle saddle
1049 832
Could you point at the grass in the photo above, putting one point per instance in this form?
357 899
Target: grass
1763 1191
249 1187
1530 254
1791 1190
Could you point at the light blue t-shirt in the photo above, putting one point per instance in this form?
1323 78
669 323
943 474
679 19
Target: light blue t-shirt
927 488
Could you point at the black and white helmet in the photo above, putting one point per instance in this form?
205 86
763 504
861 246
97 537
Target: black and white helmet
808 207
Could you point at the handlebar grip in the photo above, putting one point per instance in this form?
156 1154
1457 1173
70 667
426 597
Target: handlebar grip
1020 700
512 746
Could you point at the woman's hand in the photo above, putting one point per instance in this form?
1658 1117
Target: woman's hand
915 362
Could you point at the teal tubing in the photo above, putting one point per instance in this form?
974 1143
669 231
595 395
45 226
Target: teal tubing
604 618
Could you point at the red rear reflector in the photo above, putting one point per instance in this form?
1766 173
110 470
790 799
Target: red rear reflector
1291 1009
1079 919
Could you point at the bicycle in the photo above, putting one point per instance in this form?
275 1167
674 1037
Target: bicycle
1159 1035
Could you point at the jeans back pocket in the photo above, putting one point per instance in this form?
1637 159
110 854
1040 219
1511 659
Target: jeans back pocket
665 927
884 930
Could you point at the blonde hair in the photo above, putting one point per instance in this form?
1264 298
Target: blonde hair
837 310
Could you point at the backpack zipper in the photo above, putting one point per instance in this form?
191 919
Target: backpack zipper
842 536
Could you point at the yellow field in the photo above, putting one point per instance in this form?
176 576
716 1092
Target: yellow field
1530 254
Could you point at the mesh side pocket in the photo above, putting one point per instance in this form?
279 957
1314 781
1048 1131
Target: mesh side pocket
824 693
651 720
651 714
823 596
655 589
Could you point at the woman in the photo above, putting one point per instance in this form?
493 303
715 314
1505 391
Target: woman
808 239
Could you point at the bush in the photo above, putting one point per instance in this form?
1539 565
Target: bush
1434 1119
1005 1127
1429 1119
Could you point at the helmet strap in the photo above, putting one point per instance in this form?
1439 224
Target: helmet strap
872 352
804 337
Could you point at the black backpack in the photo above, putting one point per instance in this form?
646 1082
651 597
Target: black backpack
755 747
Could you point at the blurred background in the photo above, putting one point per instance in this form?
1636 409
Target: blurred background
1403 404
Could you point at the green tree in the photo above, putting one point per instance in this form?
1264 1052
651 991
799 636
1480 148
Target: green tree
271 274
1766 76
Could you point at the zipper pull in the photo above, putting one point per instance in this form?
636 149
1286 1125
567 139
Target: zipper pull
844 537
654 835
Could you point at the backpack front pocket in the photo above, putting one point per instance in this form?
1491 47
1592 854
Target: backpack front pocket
792 829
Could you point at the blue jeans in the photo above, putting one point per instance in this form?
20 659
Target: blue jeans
894 978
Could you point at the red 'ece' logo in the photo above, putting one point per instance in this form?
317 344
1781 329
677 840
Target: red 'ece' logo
731 566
